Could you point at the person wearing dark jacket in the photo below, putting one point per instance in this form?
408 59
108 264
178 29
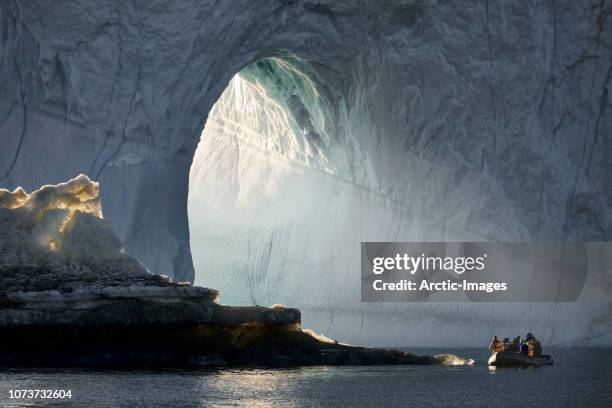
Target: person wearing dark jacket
515 344
531 341
524 347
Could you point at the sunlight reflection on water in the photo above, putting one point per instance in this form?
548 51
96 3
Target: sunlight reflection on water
578 378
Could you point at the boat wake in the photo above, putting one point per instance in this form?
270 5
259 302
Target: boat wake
453 360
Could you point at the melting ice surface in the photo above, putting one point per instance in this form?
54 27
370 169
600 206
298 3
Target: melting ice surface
60 227
282 193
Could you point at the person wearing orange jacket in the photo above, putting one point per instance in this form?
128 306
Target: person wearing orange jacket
496 345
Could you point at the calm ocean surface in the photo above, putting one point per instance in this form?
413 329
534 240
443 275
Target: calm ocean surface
580 378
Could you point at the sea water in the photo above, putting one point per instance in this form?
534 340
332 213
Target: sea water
579 378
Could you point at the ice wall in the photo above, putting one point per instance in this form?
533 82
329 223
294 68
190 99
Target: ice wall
498 111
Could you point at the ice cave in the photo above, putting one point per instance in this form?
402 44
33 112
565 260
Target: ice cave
250 146
284 187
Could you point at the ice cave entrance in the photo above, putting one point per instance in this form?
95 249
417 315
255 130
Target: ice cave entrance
265 193
278 193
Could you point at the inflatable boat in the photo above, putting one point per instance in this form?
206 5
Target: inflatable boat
514 359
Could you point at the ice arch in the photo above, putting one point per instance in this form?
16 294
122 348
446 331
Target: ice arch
497 111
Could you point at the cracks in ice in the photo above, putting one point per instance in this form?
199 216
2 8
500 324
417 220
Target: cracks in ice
552 80
553 60
601 18
568 211
9 113
602 108
559 124
129 113
19 145
125 124
585 56
22 94
491 88
595 41
110 99
108 136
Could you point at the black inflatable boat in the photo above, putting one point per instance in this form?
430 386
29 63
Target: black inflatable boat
514 359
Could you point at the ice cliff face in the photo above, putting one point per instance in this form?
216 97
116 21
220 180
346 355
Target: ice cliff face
413 120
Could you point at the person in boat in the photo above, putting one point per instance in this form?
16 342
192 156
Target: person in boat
524 347
496 346
535 344
506 343
515 344
531 346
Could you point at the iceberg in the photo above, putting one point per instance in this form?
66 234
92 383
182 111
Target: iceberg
411 120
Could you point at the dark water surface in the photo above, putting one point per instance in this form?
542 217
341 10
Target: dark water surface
581 378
